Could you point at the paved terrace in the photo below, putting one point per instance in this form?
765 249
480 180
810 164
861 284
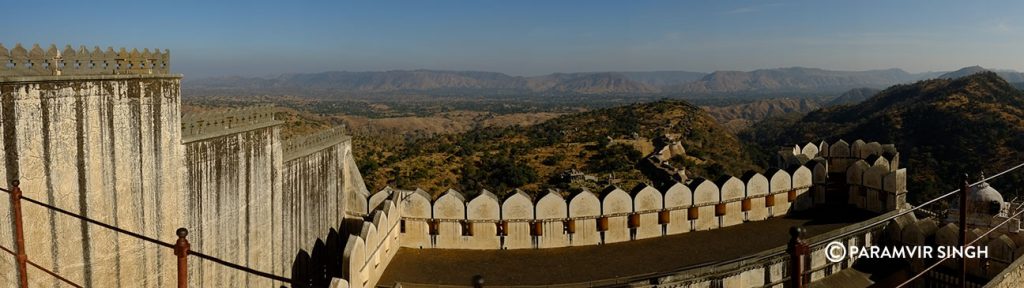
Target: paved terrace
590 263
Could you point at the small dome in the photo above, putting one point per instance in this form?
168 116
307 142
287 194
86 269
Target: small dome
986 199
984 192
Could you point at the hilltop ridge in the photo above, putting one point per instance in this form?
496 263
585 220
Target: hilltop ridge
943 127
481 83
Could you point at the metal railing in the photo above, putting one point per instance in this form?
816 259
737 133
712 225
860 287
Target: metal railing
181 247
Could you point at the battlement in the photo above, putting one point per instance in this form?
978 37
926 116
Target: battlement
299 146
207 125
69 61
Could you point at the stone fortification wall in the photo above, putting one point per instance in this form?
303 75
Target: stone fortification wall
484 221
99 133
871 171
318 191
614 215
768 268
19 61
104 146
1010 277
454 221
233 180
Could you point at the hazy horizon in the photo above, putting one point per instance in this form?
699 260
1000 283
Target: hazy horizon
530 38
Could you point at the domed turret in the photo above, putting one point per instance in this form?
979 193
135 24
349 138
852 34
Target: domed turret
985 200
985 206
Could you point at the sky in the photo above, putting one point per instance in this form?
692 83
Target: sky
527 38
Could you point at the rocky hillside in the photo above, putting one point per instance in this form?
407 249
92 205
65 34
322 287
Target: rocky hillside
942 128
600 143
739 116
853 96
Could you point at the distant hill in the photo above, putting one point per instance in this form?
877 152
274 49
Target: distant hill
601 83
739 116
853 96
433 80
1008 75
942 128
479 83
795 79
664 78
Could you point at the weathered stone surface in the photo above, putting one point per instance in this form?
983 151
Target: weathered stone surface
517 209
756 189
585 207
551 209
647 201
99 146
450 208
616 205
677 198
484 211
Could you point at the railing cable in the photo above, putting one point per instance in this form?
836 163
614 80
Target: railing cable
152 240
55 275
919 206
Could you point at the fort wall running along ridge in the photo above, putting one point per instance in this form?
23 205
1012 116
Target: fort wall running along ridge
99 133
402 218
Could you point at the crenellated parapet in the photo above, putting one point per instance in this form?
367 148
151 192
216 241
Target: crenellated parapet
870 170
519 221
303 145
453 220
52 61
839 154
207 125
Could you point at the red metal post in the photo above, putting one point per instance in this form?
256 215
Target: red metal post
797 249
963 229
19 235
181 249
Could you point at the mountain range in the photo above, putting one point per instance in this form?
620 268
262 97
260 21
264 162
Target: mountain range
669 83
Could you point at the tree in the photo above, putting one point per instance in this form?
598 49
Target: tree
614 158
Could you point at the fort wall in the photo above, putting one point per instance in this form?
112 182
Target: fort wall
314 184
103 146
99 133
233 180
614 215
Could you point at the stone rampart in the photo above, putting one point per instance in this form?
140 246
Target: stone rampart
318 191
614 215
453 221
19 61
207 125
233 184
103 146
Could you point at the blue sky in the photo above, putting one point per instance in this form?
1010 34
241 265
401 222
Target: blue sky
261 38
